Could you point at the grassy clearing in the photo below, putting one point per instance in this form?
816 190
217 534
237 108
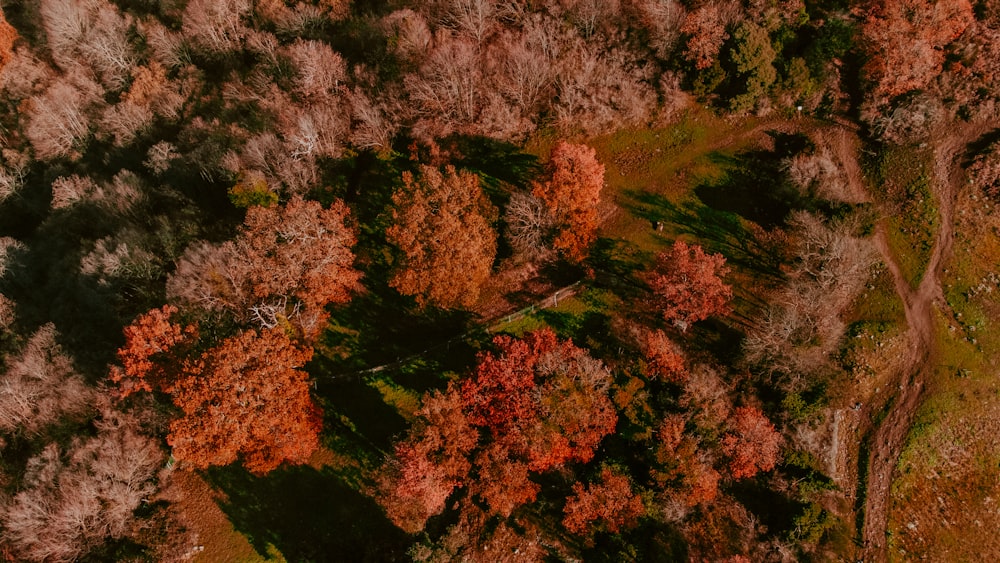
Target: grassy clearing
901 179
943 502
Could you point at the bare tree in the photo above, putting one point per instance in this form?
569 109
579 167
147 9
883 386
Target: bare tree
412 35
13 172
796 333
70 502
530 225
474 18
40 386
319 71
446 92
60 118
374 126
216 26
23 75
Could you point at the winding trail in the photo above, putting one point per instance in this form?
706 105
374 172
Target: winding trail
887 439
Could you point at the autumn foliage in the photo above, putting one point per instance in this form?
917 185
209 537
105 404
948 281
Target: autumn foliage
7 36
287 263
246 399
752 443
610 504
535 405
572 194
441 226
664 359
687 284
905 41
148 340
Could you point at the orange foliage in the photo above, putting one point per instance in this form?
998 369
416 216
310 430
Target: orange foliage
544 399
687 284
753 445
442 228
301 249
7 36
503 482
706 33
663 358
287 264
572 194
610 501
430 463
905 40
544 403
500 392
148 340
245 398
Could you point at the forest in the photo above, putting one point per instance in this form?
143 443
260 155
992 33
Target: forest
499 280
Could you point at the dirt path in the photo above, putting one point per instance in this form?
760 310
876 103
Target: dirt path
887 439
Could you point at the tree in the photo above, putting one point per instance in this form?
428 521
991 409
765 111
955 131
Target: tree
247 399
442 229
687 284
706 31
529 225
752 443
40 387
59 119
664 359
73 500
572 194
287 263
534 405
215 26
904 40
7 36
752 57
430 463
149 343
610 502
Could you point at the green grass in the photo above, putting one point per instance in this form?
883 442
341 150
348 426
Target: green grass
901 179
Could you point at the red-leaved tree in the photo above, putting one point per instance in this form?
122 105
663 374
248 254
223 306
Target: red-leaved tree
532 406
687 284
664 359
610 503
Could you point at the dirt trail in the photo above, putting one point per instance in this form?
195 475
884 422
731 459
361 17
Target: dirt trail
887 439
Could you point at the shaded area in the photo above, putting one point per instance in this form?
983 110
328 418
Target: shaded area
308 515
718 231
650 542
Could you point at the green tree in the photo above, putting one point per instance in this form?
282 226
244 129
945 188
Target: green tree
752 60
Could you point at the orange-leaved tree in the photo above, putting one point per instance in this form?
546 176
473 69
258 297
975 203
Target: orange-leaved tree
905 41
246 399
664 359
572 193
687 284
752 443
441 225
147 357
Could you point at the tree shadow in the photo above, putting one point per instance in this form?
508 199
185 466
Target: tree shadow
720 231
308 515
498 163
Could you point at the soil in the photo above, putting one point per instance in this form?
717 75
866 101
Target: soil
886 435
